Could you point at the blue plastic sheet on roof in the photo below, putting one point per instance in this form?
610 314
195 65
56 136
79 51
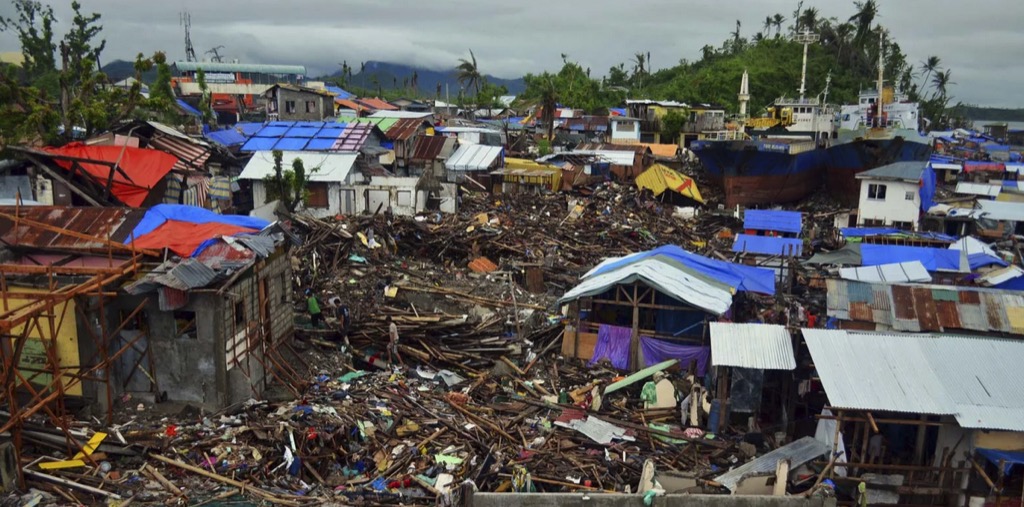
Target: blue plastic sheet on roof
927 189
340 94
771 220
980 260
767 245
1009 458
934 259
157 215
187 108
1011 284
740 277
617 111
295 136
227 137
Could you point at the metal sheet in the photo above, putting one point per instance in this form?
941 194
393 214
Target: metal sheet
761 346
109 223
797 453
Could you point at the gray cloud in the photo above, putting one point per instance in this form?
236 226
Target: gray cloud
978 42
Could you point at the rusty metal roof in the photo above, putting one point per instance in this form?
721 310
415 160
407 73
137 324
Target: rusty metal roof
404 129
430 147
112 223
917 308
192 156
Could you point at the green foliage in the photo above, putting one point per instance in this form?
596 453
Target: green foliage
204 103
161 95
671 125
287 185
47 103
571 87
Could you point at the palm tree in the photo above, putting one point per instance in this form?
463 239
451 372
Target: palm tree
928 66
639 61
548 101
736 34
468 73
941 81
808 19
768 23
777 20
867 11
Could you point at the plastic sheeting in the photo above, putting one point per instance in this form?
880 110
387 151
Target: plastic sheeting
185 230
157 215
141 169
934 259
1009 458
980 260
613 345
737 276
656 351
927 190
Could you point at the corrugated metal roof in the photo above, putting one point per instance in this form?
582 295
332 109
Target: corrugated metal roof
192 156
251 68
937 308
903 171
975 379
667 278
763 346
399 114
1002 275
986 189
112 223
376 103
1000 210
431 147
330 167
403 129
912 271
473 157
797 453
768 245
773 220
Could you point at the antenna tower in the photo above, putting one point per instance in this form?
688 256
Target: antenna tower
185 18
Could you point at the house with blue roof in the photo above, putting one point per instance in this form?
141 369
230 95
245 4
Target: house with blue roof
770 232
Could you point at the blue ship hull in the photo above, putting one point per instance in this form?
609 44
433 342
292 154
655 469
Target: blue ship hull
762 171
844 161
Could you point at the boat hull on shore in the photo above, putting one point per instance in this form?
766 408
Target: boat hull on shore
763 171
844 160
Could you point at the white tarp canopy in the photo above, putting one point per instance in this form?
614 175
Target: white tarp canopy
900 272
320 166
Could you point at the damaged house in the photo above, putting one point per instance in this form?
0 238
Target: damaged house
200 323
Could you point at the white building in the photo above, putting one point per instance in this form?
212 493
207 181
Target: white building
890 196
335 187
625 130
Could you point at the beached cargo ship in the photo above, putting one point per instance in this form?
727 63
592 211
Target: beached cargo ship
774 159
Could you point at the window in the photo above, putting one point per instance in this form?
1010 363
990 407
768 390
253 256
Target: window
873 222
310 106
904 226
240 313
289 106
404 198
624 126
317 196
876 192
185 325
910 196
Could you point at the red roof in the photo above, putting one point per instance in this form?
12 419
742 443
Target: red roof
377 104
348 104
140 169
428 147
404 129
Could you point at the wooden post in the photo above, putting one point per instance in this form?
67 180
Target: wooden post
723 396
634 337
919 442
576 340
781 477
835 440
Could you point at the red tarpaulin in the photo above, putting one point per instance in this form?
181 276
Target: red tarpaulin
183 238
143 168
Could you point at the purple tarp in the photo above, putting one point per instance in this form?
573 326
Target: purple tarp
656 351
613 345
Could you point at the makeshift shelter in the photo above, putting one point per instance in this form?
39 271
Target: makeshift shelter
649 307
659 178
522 175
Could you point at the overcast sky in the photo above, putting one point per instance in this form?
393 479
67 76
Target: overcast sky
980 41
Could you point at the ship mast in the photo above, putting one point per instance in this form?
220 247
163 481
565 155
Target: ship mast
744 95
806 38
880 103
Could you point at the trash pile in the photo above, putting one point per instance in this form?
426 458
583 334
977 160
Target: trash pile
484 401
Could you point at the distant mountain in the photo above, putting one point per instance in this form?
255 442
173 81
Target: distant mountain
395 75
120 69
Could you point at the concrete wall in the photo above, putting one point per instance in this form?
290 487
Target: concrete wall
323 105
625 135
616 500
386 190
895 208
334 200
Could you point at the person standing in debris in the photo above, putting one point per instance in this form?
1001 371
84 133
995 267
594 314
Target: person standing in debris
393 343
313 307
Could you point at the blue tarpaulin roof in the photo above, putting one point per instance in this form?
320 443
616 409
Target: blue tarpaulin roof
1009 458
771 220
157 215
305 136
737 276
980 260
187 108
227 137
934 259
341 94
767 245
